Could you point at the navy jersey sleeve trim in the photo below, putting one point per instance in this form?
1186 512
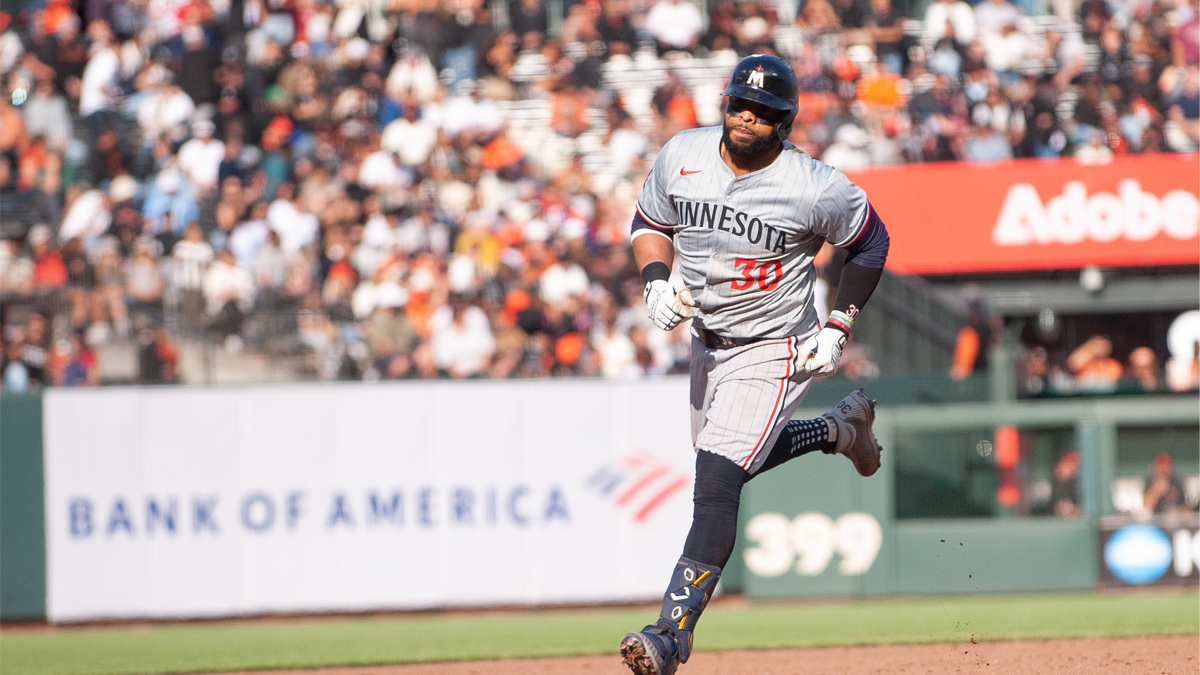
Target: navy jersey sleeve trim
870 247
861 230
641 222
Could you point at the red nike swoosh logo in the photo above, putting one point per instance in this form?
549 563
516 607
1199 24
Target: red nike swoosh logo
685 172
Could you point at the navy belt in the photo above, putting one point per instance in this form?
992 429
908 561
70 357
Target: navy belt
713 341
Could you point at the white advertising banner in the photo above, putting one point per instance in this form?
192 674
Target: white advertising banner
184 502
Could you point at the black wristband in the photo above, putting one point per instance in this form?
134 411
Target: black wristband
656 271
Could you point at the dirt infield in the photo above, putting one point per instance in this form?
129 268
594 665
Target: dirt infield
1174 655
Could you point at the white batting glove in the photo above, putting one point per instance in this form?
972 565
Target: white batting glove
821 353
666 306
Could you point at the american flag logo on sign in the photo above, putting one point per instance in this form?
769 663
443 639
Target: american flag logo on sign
638 484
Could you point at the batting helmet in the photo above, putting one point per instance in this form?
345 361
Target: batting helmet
768 80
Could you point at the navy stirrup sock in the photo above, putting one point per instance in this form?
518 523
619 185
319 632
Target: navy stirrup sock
799 437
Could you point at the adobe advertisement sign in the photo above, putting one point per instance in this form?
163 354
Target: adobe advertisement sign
1162 551
178 503
1033 214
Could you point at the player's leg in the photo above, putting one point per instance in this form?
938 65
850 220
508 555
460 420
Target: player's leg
659 648
750 393
739 399
715 502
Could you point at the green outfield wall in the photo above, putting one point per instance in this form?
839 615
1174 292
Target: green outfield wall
22 519
806 530
967 556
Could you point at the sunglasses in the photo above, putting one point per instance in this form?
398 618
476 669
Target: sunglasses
737 106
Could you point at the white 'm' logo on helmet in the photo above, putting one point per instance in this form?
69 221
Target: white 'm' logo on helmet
755 78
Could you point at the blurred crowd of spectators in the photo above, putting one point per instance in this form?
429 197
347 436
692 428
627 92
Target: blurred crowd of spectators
1092 368
1118 359
339 180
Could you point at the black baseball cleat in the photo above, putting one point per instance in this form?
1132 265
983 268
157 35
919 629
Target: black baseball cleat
650 651
853 417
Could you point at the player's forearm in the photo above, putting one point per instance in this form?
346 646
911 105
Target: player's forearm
855 287
653 248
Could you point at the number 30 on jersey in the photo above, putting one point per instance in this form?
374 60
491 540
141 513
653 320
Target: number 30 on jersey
765 273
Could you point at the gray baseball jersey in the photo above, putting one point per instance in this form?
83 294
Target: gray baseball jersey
746 244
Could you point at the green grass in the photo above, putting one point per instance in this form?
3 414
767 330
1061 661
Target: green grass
346 641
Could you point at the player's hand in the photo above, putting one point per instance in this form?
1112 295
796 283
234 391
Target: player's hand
666 306
821 353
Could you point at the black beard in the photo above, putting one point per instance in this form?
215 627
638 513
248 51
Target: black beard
754 149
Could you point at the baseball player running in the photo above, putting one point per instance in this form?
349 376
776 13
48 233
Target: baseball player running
746 212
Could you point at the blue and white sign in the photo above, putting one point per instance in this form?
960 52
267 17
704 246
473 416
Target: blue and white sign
1138 554
231 501
1164 551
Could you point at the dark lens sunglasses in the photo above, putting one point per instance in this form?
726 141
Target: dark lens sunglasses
737 106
